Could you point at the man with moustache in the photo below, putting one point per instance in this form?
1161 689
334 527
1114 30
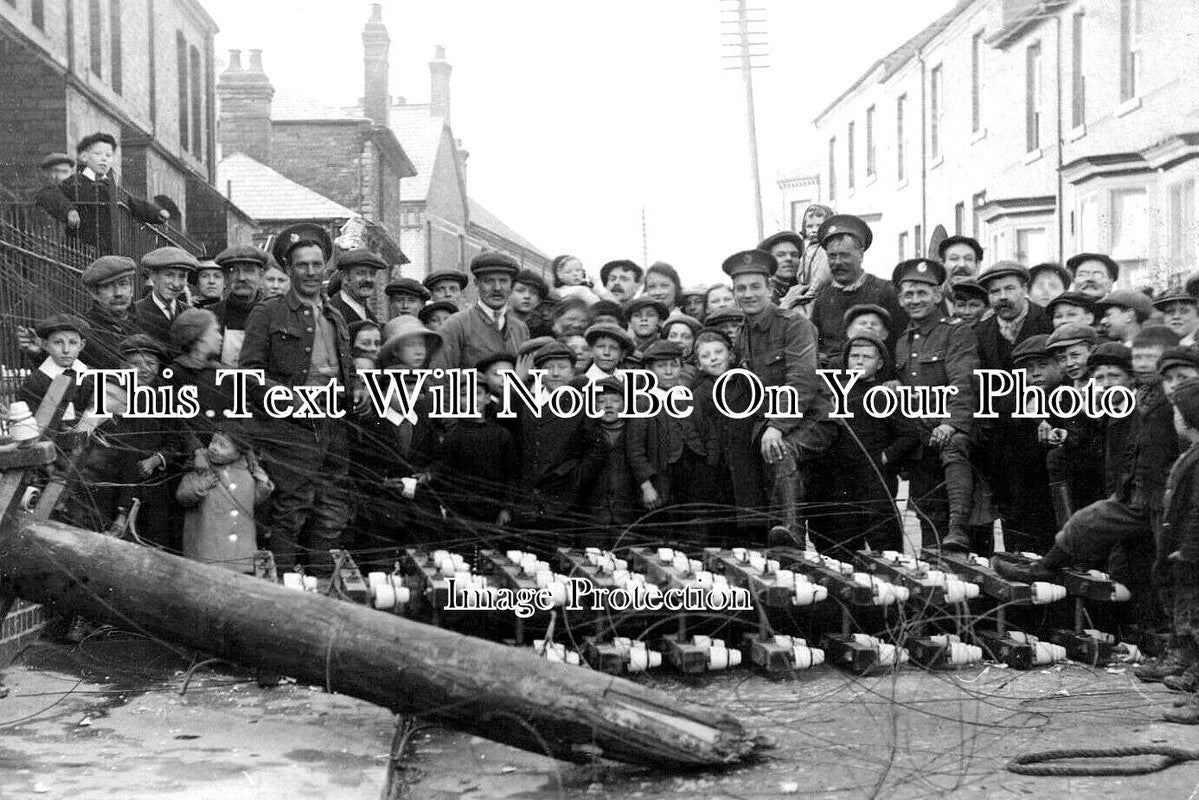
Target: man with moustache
489 326
243 266
962 257
1094 274
300 339
169 268
938 350
787 249
359 269
622 279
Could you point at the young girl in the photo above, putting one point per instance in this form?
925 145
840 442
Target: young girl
364 339
813 266
571 280
662 284
682 330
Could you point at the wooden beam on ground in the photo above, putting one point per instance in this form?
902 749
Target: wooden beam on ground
501 693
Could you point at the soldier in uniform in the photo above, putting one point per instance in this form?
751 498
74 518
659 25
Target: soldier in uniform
300 339
779 347
938 350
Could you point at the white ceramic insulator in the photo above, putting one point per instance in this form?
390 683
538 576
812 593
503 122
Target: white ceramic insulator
783 640
807 657
447 567
665 555
807 593
718 658
703 578
1120 593
384 596
620 577
638 660
865 640
720 581
1100 636
892 555
620 564
543 579
1130 652
439 555
293 580
514 556
681 564
962 654
700 640
758 562
374 579
739 553
1046 653
944 638
310 583
1022 638
595 550
1031 556
1043 592
784 577
772 565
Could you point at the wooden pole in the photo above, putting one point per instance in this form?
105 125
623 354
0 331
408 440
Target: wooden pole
502 693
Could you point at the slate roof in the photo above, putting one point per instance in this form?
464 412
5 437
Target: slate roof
420 134
485 219
265 194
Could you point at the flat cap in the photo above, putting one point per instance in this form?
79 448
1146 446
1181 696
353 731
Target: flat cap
678 317
749 262
1071 334
769 242
610 384
438 275
1186 400
142 343
1113 269
534 344
700 290
725 316
1178 357
922 270
867 308
303 233
1111 354
883 351
621 263
1055 268
168 258
360 257
54 159
612 332
974 289
839 224
551 351
609 308
1003 269
642 302
484 363
429 309
661 350
61 322
717 333
1173 296
193 277
494 261
950 241
105 269
407 286
96 138
241 254
528 277
1127 298
1077 299
1032 347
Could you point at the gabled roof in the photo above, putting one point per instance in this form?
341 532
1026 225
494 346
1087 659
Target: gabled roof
485 219
265 194
420 135
888 65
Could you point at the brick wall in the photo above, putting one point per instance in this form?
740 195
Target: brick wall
22 625
324 156
33 114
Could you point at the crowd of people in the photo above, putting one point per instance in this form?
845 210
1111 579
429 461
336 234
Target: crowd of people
1118 492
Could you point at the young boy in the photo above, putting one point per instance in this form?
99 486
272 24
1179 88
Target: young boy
731 478
609 346
63 338
56 168
207 285
1179 544
863 459
645 318
607 493
94 192
969 302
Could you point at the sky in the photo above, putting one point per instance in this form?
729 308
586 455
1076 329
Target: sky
579 114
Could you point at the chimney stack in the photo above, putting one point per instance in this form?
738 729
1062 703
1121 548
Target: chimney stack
375 44
439 73
245 97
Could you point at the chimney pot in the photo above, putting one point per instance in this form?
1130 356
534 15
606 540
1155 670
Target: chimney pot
439 52
256 61
234 61
439 76
376 12
376 99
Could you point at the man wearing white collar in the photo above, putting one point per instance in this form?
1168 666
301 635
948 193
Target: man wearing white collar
488 326
358 271
168 268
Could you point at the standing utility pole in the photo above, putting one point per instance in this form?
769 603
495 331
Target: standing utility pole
749 52
644 240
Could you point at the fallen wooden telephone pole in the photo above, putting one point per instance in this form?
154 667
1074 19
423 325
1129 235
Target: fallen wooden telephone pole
502 693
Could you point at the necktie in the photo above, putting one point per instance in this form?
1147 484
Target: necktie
499 322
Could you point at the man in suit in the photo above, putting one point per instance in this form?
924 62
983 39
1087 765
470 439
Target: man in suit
359 271
489 326
169 268
243 266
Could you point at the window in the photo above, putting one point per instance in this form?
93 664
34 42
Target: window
959 218
37 13
1078 104
1032 246
1129 27
1088 226
903 245
197 104
96 26
832 169
1032 97
114 33
977 202
976 79
899 147
797 209
870 164
1130 224
849 148
918 240
181 69
935 107
1182 223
